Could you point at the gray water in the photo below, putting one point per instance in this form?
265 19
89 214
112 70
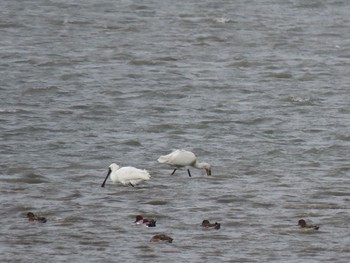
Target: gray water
259 89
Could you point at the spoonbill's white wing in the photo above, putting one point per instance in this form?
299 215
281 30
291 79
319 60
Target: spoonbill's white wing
126 175
178 158
131 175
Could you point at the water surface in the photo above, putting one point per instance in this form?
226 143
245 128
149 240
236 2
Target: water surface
259 89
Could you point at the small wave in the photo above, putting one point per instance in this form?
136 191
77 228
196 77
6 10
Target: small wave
9 110
262 205
212 237
328 194
144 62
221 20
307 77
204 39
160 128
73 219
343 137
225 199
70 76
254 121
280 75
300 100
29 178
157 202
75 22
242 64
314 150
310 4
132 143
168 58
34 90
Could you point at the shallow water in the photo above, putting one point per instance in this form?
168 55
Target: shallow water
258 89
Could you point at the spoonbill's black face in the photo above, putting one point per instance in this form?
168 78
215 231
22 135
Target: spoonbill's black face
104 182
208 171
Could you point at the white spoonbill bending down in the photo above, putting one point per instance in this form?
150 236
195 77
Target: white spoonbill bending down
183 158
126 175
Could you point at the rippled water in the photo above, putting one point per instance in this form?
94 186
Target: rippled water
259 89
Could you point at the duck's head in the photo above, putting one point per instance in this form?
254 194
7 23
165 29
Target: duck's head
302 223
30 215
138 218
205 223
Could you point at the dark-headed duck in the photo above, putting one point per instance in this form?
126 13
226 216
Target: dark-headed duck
161 238
303 225
149 223
32 217
206 224
146 222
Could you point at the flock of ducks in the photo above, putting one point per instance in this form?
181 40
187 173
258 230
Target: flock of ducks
132 176
165 238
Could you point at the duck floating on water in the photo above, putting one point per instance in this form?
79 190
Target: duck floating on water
161 238
206 224
35 218
183 158
145 222
126 175
303 225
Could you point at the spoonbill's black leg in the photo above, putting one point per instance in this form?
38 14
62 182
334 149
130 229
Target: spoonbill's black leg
173 171
189 173
131 184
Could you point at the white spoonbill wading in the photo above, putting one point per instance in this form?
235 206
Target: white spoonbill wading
126 175
183 158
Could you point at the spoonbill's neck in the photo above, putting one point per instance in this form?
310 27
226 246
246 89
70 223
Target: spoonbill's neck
200 165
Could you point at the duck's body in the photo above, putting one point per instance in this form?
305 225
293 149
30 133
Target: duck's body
161 238
183 158
149 222
146 222
206 224
126 175
35 218
305 226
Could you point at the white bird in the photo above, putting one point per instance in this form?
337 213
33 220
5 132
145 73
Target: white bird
183 158
126 175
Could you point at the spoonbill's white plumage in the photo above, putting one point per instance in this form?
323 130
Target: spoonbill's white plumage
183 158
126 175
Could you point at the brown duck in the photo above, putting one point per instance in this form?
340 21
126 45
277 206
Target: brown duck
206 224
35 218
303 225
161 238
